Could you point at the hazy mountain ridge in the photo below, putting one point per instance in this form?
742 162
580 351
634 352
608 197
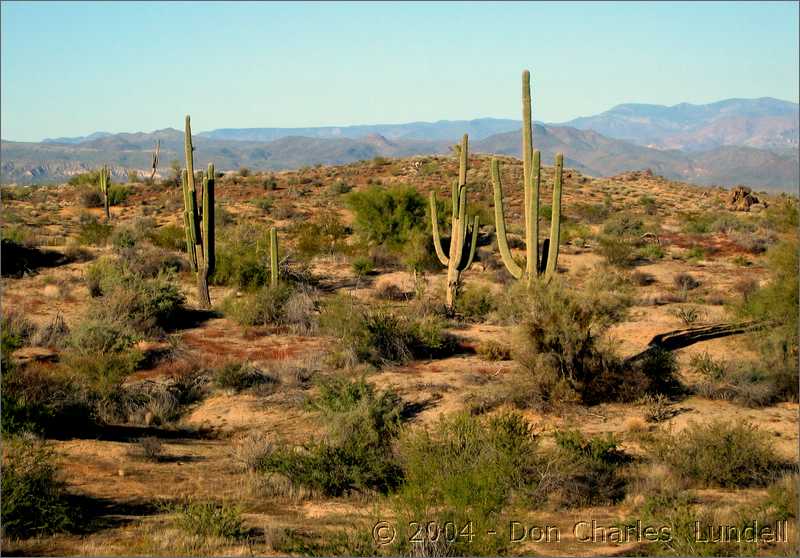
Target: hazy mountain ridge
749 141
764 123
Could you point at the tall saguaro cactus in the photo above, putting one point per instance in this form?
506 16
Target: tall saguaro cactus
104 179
461 254
273 257
199 241
531 178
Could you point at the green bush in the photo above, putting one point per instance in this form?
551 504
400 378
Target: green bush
118 194
475 303
209 519
358 452
34 498
720 454
324 234
623 225
94 232
266 306
588 470
378 336
363 266
464 470
44 400
388 216
242 257
617 251
16 331
170 237
240 376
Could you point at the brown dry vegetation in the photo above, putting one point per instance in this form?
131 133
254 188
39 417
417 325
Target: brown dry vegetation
133 502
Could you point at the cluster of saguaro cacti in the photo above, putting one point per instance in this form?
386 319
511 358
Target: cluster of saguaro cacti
199 226
531 176
104 180
461 253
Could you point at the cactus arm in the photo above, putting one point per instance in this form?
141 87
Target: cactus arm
273 257
473 243
437 240
500 221
208 220
188 151
555 222
190 191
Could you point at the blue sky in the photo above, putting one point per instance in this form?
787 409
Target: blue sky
74 68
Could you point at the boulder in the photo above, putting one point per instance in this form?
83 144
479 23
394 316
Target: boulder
742 198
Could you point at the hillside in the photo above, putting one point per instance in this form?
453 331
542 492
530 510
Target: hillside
294 419
589 151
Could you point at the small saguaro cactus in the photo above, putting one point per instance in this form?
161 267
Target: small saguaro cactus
199 242
461 254
273 257
531 178
104 180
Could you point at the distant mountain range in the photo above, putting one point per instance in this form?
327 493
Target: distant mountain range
737 141
764 123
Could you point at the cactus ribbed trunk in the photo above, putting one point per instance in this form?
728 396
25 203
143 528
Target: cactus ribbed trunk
461 255
531 177
273 257
104 189
199 243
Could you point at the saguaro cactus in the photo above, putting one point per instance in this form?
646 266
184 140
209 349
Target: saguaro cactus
155 159
531 177
104 179
273 257
199 243
461 254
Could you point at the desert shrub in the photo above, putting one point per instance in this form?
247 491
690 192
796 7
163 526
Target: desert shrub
242 257
685 282
650 252
688 314
16 331
357 455
85 178
94 232
782 497
251 450
170 237
151 403
144 303
209 519
90 197
617 251
150 262
34 498
418 255
587 470
591 213
464 470
323 234
149 448
649 205
264 203
623 225
494 350
781 215
388 215
43 400
378 336
266 306
475 303
53 334
362 266
560 355
239 376
656 407
389 291
339 187
752 384
123 237
642 278
719 454
118 194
